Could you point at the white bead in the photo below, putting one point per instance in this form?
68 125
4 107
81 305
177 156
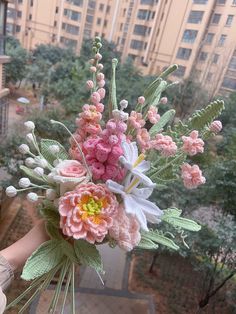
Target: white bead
39 171
123 104
24 149
30 162
42 162
54 149
11 191
51 194
30 138
32 197
29 125
24 183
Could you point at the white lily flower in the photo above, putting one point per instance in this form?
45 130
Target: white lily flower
135 163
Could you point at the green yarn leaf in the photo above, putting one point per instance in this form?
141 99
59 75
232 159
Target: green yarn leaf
153 92
50 157
168 71
173 211
180 222
30 173
147 244
112 92
50 215
44 259
157 237
69 251
165 118
53 231
88 255
202 118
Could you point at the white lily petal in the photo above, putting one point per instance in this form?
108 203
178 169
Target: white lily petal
125 163
144 166
143 178
130 152
127 180
152 212
115 187
132 207
143 192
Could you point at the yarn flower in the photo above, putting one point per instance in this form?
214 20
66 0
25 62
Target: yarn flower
143 139
125 230
87 212
192 176
152 115
165 145
136 120
192 144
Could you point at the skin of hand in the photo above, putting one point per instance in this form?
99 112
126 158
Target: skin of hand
18 252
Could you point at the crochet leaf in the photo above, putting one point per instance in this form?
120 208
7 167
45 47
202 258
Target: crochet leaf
173 211
45 258
88 255
50 215
48 155
166 118
69 251
202 118
176 221
30 173
53 231
153 92
112 92
168 71
157 237
147 244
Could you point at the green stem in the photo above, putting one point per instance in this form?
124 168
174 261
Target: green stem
73 288
66 291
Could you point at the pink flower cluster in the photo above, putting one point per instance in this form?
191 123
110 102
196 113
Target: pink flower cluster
136 120
192 176
143 139
125 230
164 144
152 115
192 144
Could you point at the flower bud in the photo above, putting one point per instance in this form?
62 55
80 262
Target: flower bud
39 171
24 183
30 138
100 66
93 69
11 191
30 162
32 197
42 162
91 61
101 83
164 100
29 125
141 100
123 104
100 76
51 194
216 126
24 149
54 149
98 56
95 97
101 92
89 84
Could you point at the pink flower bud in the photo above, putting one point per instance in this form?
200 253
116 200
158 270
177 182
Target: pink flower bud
91 61
100 76
216 126
95 98
141 100
93 69
101 83
99 107
98 56
89 84
164 100
100 66
102 92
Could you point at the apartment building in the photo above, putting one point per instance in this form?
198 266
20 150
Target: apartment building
198 35
3 59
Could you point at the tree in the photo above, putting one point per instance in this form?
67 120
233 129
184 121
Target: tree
16 69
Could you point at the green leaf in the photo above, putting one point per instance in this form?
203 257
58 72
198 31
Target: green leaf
112 92
88 254
173 211
53 231
183 223
69 251
44 259
168 71
155 236
153 92
51 216
166 118
147 244
50 157
30 173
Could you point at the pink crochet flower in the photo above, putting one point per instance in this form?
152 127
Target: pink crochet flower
192 176
192 144
87 212
143 139
152 115
164 144
216 126
125 230
136 120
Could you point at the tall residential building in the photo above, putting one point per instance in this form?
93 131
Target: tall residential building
198 35
3 59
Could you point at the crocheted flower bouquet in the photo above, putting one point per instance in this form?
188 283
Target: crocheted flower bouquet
98 191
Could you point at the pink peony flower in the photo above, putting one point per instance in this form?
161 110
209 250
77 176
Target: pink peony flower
192 176
125 230
165 145
143 139
136 120
87 212
192 144
216 126
152 115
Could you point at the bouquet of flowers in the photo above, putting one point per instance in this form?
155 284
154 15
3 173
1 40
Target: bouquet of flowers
99 191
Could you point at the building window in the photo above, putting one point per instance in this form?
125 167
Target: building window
195 17
57 9
99 21
121 26
78 3
222 40
221 2
19 14
209 76
180 71
232 64
145 46
215 58
216 18
20 1
71 29
105 23
229 20
92 4
55 23
132 57
149 2
89 19
73 15
31 3
229 83
136 44
18 28
101 6
200 1
68 42
145 15
11 13
203 56
234 2
30 17
108 9
140 30
184 53
10 28
124 12
189 35
209 38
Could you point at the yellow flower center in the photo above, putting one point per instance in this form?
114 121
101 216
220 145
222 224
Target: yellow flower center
140 158
91 208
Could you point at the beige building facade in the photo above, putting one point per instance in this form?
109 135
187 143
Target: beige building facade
198 35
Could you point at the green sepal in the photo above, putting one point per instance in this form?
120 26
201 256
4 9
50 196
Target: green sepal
44 259
48 155
30 173
167 117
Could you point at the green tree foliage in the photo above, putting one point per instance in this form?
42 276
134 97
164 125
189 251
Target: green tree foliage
16 69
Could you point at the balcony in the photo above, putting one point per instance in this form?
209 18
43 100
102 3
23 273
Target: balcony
4 104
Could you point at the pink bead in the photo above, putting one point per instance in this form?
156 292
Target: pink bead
101 92
164 100
141 100
101 83
216 126
89 84
93 69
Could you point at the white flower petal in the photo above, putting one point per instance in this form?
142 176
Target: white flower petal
143 192
132 206
143 178
130 152
115 187
152 212
144 166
